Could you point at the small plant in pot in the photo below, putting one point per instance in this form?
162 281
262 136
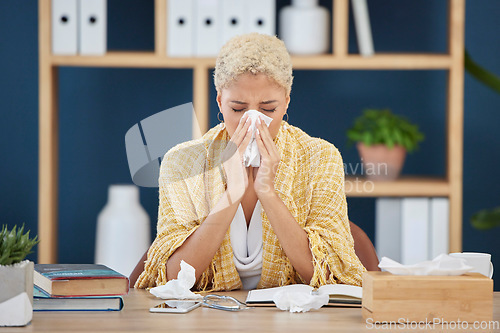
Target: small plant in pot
383 139
16 277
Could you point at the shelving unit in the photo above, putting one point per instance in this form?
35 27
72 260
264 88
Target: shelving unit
452 62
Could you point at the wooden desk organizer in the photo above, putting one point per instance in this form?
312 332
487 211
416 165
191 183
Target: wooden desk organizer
393 298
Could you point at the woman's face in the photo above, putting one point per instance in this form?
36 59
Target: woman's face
253 92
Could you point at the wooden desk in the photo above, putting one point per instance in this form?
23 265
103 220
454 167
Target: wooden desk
135 317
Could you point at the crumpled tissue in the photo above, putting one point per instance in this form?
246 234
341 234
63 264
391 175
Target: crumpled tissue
251 157
299 301
443 264
179 288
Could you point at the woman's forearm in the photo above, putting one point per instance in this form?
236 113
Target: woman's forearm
292 237
200 247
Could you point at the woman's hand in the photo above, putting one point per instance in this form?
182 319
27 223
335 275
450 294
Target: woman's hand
232 160
269 161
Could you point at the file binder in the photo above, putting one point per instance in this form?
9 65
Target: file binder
64 27
388 228
234 19
261 16
363 29
439 215
207 28
93 23
180 28
414 230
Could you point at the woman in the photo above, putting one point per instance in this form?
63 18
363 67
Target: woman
280 223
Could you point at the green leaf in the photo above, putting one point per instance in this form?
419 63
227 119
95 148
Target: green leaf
383 127
408 143
481 74
398 137
385 135
15 245
367 138
486 219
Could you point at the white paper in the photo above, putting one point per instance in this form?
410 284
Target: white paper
251 156
179 288
443 264
299 301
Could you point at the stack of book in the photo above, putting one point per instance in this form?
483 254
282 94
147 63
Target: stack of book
78 287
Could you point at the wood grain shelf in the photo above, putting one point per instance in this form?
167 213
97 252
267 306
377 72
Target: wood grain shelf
452 62
403 187
375 62
132 59
321 62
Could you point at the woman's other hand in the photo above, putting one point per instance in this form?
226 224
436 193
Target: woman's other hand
269 161
232 157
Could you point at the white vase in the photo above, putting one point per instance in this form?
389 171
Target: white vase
123 230
304 27
16 294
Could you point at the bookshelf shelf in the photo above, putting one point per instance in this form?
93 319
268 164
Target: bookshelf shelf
452 62
132 59
323 62
376 62
403 187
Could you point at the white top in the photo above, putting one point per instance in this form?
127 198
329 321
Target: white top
247 246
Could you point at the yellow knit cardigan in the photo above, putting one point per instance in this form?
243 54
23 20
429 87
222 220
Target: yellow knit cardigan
309 180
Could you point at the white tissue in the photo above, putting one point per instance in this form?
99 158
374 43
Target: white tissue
179 288
252 154
297 301
443 264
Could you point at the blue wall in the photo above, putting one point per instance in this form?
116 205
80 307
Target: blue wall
97 107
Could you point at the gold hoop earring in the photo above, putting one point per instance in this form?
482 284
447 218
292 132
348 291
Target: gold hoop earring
218 117
286 114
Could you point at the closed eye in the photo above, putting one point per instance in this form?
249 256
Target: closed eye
238 110
269 110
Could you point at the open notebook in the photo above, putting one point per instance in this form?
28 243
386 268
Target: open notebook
340 294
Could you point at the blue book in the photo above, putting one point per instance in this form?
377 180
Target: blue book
44 302
79 280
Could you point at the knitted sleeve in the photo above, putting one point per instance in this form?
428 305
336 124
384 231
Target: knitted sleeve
327 225
177 217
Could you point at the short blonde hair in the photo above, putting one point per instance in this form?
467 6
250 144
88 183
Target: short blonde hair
253 53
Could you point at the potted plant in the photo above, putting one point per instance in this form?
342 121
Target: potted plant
16 277
383 139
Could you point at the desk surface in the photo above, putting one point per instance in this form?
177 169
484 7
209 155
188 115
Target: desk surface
135 317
